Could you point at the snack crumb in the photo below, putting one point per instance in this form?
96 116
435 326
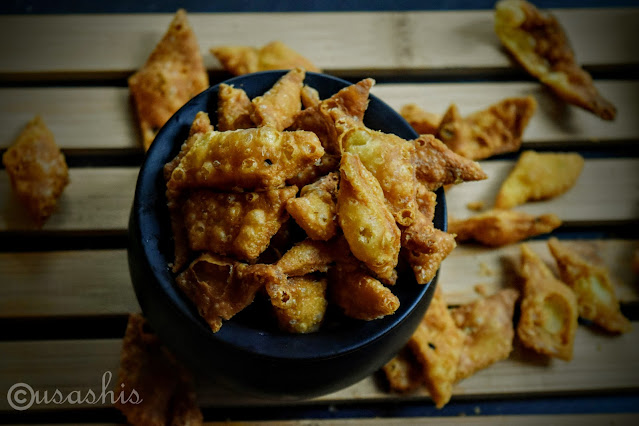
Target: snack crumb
476 206
481 289
477 410
485 270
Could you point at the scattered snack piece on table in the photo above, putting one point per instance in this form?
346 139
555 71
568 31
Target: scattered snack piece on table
424 122
538 42
592 286
37 170
234 109
172 75
549 311
165 388
539 176
403 372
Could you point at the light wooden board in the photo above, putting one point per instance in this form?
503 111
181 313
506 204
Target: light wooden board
103 45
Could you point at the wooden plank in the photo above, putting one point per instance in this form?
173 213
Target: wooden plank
102 45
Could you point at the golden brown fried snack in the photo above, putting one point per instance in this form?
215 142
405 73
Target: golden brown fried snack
310 97
537 41
368 225
37 170
278 107
172 75
164 391
495 130
426 201
251 158
548 320
497 227
275 55
489 331
237 224
234 109
403 372
299 303
306 257
424 122
539 176
309 174
593 288
315 210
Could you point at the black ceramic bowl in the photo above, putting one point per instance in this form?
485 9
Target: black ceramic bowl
247 354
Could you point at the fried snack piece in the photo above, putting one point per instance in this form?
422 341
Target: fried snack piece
278 107
275 55
250 158
438 165
495 130
403 372
299 303
426 201
172 75
368 225
163 388
234 109
309 174
498 227
593 288
489 331
315 210
424 122
537 41
37 170
306 257
539 176
238 224
549 312
310 97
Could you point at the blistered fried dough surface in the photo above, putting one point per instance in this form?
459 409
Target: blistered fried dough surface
37 170
306 257
299 303
309 174
424 122
538 42
236 224
437 165
275 55
234 109
368 225
539 176
172 75
500 227
489 331
426 201
278 107
315 210
310 97
592 286
495 130
250 158
549 312
403 372
164 388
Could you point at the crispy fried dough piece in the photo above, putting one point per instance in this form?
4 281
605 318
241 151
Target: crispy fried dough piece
306 257
537 41
539 176
309 174
37 170
495 130
234 109
498 227
315 210
593 288
275 55
164 388
299 303
403 372
489 331
424 122
437 165
238 224
426 201
368 225
278 107
549 312
250 158
310 97
172 75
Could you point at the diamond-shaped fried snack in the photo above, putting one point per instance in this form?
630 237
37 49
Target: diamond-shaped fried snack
306 257
489 331
250 158
275 55
403 372
172 75
500 227
163 387
495 130
437 165
310 97
537 41
592 286
424 122
367 223
37 170
299 303
234 109
539 176
315 210
549 312
238 224
278 107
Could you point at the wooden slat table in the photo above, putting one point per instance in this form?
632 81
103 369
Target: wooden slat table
58 282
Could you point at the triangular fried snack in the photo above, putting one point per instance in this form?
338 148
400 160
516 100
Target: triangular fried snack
299 303
278 107
424 122
403 372
315 210
306 257
234 109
